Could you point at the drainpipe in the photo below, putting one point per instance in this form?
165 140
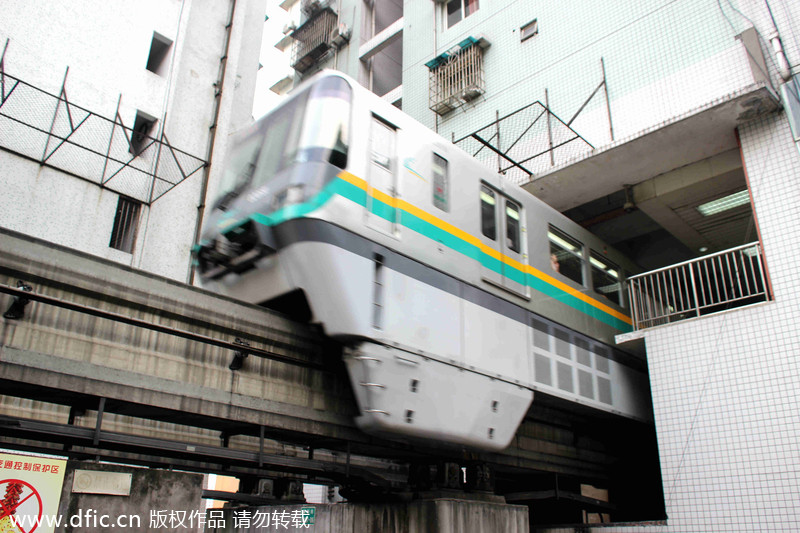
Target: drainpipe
777 47
218 85
435 53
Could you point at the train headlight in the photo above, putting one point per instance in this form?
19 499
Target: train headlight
293 194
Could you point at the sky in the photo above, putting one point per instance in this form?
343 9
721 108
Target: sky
275 64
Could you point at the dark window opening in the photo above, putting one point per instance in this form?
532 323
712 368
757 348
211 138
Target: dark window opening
139 135
529 30
441 185
488 225
159 49
126 221
457 10
512 226
606 278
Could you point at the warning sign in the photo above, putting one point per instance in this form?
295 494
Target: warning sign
30 489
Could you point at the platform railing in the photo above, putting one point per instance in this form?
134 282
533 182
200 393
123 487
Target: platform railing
710 284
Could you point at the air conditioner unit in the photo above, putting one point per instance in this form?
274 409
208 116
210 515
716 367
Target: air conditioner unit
289 28
310 7
442 107
340 35
471 93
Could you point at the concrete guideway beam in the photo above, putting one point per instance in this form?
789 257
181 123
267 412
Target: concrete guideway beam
59 362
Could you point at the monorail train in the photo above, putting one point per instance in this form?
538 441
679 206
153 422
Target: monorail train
455 294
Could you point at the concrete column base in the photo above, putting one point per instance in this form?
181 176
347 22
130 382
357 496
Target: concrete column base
442 515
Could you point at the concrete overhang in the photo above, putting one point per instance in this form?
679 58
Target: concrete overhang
284 42
381 40
283 85
685 139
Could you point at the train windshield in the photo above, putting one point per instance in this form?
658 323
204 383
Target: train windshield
312 126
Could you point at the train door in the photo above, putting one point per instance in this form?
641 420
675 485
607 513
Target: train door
490 255
503 259
514 263
382 179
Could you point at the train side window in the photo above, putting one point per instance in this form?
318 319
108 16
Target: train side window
606 278
382 142
512 226
566 255
441 183
488 202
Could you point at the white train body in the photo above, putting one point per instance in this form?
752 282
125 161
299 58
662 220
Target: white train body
385 229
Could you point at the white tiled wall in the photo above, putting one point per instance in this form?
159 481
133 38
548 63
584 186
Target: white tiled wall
726 388
662 59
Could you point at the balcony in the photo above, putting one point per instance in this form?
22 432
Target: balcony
456 77
313 39
711 284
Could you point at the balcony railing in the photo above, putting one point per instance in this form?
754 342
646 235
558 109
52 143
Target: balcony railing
312 39
456 77
710 284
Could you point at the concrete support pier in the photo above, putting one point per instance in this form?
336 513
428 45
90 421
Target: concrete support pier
442 515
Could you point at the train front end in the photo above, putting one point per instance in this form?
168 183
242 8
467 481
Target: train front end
289 229
278 170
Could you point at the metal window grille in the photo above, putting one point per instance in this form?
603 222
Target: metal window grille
123 234
312 39
717 282
457 80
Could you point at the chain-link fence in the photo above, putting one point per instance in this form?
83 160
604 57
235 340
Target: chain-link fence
58 133
524 143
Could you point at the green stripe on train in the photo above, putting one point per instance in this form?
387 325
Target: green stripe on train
359 196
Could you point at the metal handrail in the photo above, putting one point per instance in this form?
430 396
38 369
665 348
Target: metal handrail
670 267
709 284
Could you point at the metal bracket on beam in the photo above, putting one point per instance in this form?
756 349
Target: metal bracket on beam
100 410
17 308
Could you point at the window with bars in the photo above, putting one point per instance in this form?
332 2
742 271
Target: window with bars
312 40
456 77
126 221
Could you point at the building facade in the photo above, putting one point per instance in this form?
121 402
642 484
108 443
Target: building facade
668 128
113 125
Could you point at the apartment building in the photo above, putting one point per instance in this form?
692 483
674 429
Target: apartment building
115 117
669 128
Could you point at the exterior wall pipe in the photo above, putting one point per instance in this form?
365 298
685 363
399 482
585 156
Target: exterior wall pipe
201 207
777 47
783 64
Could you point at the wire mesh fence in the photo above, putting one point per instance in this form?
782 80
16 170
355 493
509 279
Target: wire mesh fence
52 130
524 143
